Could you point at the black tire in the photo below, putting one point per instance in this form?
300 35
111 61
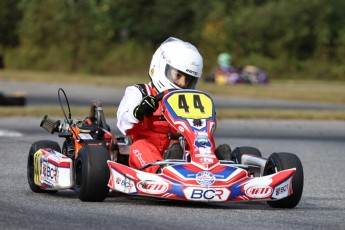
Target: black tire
283 161
236 155
123 159
91 173
30 166
223 152
68 149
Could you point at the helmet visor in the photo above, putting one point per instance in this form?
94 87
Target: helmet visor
179 78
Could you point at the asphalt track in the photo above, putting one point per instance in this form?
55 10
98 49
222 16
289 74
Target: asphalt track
319 144
320 147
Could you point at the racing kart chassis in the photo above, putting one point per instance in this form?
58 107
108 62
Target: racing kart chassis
92 161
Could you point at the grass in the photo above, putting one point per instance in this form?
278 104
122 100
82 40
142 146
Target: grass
80 112
312 91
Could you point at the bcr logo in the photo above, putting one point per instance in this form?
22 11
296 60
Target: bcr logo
216 194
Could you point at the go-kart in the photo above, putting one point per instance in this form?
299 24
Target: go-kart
201 175
81 163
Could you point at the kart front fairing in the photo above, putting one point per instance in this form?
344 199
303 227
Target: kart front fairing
192 114
200 176
188 182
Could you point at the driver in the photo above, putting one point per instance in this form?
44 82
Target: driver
176 64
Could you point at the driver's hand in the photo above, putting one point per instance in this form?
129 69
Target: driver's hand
147 107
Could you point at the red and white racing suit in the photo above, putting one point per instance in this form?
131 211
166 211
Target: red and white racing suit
149 136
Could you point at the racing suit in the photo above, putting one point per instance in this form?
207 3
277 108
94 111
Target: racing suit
149 135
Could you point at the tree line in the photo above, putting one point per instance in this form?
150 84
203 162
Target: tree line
289 39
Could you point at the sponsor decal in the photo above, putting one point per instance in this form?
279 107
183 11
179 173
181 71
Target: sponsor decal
282 190
207 154
194 63
259 192
139 156
192 72
219 176
206 194
85 136
42 178
48 172
198 124
152 187
202 142
44 169
52 173
205 178
122 183
206 160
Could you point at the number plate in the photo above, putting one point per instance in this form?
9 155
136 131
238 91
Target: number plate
191 105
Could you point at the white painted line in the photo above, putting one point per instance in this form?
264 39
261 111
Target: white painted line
9 133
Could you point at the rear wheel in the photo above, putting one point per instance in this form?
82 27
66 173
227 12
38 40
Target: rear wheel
91 173
281 161
223 152
30 166
236 155
68 148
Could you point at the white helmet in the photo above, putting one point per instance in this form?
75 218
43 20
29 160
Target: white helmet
175 54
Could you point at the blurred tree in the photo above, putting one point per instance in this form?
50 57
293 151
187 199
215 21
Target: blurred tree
335 30
107 35
78 30
214 37
289 32
10 15
215 32
152 21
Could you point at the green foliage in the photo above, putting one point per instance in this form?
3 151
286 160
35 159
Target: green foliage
9 17
289 39
71 33
123 58
292 37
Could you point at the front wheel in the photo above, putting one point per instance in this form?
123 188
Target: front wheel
282 161
238 152
91 173
30 166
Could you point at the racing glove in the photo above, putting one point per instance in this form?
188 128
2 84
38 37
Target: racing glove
146 107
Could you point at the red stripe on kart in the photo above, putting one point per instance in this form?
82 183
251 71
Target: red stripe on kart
59 164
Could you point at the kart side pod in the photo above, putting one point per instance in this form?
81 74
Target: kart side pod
52 170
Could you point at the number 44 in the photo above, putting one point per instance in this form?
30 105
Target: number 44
182 103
